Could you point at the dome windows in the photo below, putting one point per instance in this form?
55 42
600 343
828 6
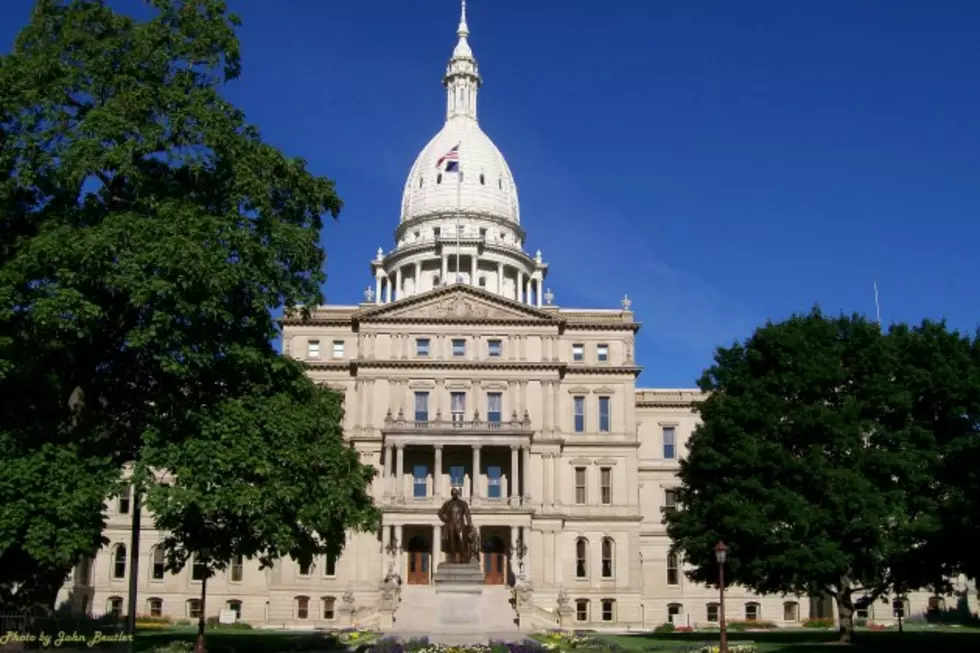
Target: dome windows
439 178
483 282
500 183
421 181
483 180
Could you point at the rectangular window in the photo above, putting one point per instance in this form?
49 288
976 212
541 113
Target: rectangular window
603 414
436 231
420 477
578 353
237 569
791 611
305 568
159 564
751 611
495 402
582 610
457 477
579 414
605 485
494 474
198 570
421 406
459 347
421 347
670 450
670 499
302 607
156 607
673 613
313 349
328 608
330 566
457 407
338 348
673 572
580 494
495 348
608 609
602 353
194 608
124 502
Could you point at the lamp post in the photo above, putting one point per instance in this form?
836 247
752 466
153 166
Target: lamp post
721 554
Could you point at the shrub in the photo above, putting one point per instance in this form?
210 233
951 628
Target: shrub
665 628
818 623
860 623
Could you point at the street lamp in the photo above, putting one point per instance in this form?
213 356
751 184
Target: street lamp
721 554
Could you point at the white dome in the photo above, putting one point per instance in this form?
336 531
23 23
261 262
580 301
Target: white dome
487 187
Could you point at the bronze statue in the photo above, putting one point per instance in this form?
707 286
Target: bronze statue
457 529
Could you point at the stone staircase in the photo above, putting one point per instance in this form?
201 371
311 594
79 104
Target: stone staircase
417 616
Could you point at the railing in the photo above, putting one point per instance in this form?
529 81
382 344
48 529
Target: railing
399 422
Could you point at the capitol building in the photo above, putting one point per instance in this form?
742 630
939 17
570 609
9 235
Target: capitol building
459 371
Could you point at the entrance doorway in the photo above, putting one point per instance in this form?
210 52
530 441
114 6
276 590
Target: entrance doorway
418 561
494 562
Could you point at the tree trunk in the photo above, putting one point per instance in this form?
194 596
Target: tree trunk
201 622
845 615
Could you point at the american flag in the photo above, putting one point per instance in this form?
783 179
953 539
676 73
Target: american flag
450 158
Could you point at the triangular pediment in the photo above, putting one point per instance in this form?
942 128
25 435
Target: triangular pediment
454 303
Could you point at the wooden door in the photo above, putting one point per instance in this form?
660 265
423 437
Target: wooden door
418 561
494 562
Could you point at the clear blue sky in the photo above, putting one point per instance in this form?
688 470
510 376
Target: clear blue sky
720 162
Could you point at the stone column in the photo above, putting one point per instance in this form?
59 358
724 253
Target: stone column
537 290
436 545
475 488
398 282
473 261
556 477
515 477
445 267
437 474
400 553
399 472
547 485
385 545
418 277
519 285
377 288
514 530
389 468
526 451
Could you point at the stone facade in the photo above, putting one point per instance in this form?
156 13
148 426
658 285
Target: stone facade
482 384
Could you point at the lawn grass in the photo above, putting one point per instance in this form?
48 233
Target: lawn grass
961 640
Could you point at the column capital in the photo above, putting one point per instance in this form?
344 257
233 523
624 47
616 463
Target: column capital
437 447
400 446
477 446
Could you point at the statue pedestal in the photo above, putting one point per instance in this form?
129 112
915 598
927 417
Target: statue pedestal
459 597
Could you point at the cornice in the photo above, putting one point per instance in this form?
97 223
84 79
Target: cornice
422 364
604 369
444 215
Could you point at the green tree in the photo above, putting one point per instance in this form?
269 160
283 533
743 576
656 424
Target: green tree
807 462
265 476
147 235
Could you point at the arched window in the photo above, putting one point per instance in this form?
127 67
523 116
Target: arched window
752 611
158 566
581 610
581 558
155 607
483 282
302 607
235 606
791 611
329 603
674 611
193 608
115 606
673 572
608 547
119 561
712 613
609 609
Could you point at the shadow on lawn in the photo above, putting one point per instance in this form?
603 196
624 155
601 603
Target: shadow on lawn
240 641
964 640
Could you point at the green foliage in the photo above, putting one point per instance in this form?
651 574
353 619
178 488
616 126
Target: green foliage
817 458
819 623
263 476
667 627
148 233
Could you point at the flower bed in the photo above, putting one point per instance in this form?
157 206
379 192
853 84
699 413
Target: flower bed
739 647
422 645
354 637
